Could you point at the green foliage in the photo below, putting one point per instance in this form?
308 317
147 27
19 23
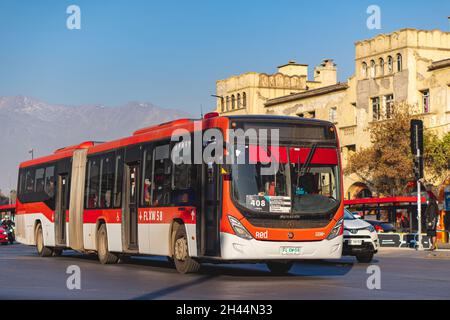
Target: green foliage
436 155
387 165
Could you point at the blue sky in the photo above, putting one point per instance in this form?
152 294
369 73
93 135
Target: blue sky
172 52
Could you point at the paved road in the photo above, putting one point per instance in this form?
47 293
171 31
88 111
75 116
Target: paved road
405 274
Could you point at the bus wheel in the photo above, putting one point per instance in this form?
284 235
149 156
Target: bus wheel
279 267
183 262
104 256
42 250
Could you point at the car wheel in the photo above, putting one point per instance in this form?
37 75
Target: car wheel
365 258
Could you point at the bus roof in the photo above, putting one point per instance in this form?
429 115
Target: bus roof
264 117
159 131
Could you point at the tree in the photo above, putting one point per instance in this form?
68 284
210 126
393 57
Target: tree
436 155
387 165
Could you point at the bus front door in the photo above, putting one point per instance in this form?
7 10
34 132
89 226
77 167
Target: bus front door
210 211
62 192
131 206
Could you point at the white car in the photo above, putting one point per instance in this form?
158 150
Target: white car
360 238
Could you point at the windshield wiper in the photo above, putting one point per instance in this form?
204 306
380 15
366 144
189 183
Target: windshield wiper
306 166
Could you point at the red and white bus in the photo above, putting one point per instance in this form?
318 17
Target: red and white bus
128 197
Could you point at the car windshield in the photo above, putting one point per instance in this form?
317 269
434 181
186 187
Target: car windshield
348 215
291 187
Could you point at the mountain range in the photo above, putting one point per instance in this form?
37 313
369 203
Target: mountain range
27 123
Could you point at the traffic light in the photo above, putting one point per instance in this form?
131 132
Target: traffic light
416 136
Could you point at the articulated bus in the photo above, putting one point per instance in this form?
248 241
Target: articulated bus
129 197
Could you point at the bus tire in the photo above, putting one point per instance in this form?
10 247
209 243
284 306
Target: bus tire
104 256
183 262
42 250
277 267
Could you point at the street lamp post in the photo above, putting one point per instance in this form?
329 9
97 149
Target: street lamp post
31 151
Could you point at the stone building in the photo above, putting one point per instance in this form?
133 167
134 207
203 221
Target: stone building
408 65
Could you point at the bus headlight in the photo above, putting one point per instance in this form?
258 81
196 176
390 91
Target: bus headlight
337 230
239 229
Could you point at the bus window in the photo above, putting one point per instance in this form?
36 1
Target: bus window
93 184
49 186
39 180
161 176
118 182
21 182
147 178
107 180
29 181
183 183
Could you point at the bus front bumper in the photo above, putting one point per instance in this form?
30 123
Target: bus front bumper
236 248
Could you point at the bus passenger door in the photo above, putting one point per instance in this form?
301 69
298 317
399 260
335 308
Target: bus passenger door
62 192
131 206
210 211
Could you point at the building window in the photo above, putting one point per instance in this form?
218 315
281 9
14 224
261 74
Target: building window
376 108
301 115
364 70
425 101
399 62
222 105
389 105
381 67
238 100
233 102
333 115
312 114
228 103
390 64
244 99
373 69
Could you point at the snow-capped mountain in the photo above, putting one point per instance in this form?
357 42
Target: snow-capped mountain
27 123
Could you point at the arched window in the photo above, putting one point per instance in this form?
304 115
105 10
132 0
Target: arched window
244 99
381 67
373 69
233 102
364 70
238 100
228 103
399 62
390 64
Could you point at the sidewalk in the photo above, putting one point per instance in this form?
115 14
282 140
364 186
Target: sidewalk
444 246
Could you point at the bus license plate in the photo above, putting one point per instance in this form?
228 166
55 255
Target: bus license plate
290 251
354 242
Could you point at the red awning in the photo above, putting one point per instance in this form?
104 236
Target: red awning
8 207
387 200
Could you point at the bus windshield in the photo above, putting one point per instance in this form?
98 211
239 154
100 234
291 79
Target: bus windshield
293 187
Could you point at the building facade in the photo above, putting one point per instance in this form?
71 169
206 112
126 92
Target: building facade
409 65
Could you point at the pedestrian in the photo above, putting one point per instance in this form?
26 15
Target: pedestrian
432 214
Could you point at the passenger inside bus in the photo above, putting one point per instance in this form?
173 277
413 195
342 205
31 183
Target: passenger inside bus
147 191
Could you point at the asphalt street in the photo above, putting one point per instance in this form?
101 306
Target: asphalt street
405 274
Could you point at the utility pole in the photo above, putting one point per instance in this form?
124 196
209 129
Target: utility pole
31 151
416 132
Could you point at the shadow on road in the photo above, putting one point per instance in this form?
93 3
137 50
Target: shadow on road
169 290
301 269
